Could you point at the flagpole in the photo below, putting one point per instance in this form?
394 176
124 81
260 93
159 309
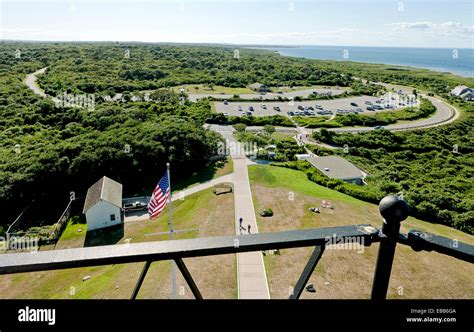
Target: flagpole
173 265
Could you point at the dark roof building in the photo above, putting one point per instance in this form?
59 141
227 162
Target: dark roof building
467 96
106 190
337 168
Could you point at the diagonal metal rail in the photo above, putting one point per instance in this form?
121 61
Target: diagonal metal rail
187 276
307 271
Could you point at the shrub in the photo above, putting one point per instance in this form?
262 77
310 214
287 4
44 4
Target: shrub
267 212
240 127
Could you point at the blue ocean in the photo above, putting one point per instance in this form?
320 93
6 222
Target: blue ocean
457 61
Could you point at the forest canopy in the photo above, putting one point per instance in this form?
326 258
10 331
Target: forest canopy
47 151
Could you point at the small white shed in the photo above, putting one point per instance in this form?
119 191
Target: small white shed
103 205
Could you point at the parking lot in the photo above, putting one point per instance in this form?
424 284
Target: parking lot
268 108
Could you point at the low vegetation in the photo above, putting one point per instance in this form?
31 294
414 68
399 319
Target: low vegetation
431 168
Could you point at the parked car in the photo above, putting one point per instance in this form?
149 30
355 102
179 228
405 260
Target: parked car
300 107
264 107
276 108
378 127
251 108
370 108
226 102
239 108
226 114
368 102
311 108
290 113
354 104
135 206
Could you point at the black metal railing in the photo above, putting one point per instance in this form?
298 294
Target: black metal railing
393 209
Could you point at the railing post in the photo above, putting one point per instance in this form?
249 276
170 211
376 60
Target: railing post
394 210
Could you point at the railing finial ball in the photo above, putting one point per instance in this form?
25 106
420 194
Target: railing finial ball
393 209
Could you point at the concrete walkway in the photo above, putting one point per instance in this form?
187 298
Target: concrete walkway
252 279
251 275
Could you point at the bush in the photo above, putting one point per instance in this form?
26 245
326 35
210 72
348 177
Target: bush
274 120
240 127
267 213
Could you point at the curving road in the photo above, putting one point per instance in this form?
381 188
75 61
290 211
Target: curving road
445 113
30 81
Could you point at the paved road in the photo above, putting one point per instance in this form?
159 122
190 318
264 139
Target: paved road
30 81
445 113
270 95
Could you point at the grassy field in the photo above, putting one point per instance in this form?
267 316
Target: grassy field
203 89
300 88
202 215
348 273
216 169
283 135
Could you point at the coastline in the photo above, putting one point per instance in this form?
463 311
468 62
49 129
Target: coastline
462 73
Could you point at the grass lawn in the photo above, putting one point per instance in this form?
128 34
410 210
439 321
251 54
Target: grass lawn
348 273
203 89
203 214
300 88
215 170
283 135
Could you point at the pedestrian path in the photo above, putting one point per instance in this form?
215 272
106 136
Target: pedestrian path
251 275
252 279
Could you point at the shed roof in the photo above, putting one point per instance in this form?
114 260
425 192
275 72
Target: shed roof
106 190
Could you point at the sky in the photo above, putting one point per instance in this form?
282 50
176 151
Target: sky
388 23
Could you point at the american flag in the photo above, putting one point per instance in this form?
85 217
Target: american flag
159 197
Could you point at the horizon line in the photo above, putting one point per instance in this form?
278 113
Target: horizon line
223 44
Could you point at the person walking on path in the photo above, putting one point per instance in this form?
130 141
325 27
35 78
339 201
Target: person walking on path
241 220
248 228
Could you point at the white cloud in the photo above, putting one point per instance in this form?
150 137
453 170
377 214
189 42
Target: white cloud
412 26
445 29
